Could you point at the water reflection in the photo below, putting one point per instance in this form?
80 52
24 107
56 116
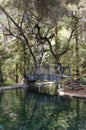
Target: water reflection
28 111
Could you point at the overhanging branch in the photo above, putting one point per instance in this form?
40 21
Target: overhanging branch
25 40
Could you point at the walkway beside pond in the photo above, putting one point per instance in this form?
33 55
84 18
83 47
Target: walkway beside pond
69 93
10 87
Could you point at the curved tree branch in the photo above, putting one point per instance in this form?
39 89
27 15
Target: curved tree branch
25 40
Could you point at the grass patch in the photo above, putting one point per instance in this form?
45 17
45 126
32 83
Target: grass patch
6 84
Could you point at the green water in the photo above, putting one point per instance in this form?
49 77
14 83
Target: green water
27 111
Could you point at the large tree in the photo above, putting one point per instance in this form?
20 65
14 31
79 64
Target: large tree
35 26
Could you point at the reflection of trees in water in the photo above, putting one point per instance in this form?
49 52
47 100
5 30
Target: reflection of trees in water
44 111
56 113
48 112
1 95
10 106
77 115
41 112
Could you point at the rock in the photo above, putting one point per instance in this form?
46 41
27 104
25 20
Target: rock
73 85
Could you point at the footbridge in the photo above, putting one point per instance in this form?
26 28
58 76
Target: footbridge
53 73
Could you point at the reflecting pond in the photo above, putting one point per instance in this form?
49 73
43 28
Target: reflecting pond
20 110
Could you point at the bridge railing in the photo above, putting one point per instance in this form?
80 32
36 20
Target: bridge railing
49 70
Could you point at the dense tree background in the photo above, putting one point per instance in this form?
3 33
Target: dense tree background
35 32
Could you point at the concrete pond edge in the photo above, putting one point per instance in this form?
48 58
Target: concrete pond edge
61 92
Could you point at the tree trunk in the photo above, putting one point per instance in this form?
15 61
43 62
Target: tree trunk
16 77
24 60
1 76
56 44
77 54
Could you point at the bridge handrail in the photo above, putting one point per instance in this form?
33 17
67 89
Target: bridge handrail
48 69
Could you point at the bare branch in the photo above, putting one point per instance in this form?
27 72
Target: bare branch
23 17
67 46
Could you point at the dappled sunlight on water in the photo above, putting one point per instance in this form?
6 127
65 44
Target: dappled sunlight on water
21 110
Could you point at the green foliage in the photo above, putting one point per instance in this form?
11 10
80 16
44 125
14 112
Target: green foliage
26 28
6 83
